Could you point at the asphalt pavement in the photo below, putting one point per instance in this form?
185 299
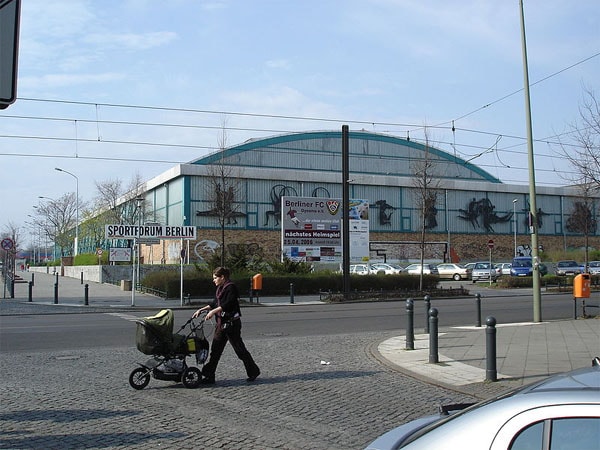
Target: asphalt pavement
525 352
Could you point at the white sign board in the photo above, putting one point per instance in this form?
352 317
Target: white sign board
119 254
149 232
312 229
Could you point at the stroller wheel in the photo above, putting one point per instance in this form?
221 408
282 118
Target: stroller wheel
139 378
191 377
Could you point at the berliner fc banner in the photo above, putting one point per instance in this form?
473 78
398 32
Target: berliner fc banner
312 229
149 232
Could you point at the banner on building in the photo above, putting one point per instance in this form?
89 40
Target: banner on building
311 229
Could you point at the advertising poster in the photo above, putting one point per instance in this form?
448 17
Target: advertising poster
312 229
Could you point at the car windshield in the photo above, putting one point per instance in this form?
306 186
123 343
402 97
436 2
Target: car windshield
522 263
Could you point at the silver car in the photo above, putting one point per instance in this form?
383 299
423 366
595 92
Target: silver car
482 271
560 412
415 269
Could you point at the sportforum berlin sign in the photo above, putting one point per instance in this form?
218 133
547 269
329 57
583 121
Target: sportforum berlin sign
312 229
149 232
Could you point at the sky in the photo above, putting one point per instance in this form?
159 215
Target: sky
114 89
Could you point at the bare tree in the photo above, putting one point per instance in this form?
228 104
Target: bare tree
426 192
12 231
57 218
223 189
583 150
582 219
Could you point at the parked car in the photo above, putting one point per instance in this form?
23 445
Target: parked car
568 267
385 268
523 267
359 269
415 269
484 271
469 266
594 267
453 271
562 411
504 268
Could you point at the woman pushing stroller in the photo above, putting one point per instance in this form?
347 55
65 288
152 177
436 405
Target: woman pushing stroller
226 310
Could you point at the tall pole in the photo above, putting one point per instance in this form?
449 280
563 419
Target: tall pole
76 246
345 212
533 220
515 200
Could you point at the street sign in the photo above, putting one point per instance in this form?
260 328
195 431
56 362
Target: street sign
9 50
149 232
7 244
491 244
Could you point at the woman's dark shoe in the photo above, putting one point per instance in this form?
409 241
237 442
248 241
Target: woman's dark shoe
253 377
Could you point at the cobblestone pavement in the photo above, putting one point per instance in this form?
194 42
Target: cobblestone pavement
82 399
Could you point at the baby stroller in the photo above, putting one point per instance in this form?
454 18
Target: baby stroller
154 336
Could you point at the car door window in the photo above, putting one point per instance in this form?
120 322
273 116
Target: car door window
581 433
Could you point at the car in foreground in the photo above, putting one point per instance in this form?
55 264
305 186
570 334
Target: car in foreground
567 267
560 412
385 268
415 269
453 271
483 271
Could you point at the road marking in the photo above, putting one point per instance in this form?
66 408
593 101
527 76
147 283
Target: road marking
124 316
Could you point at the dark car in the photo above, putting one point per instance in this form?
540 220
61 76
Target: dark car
567 267
560 412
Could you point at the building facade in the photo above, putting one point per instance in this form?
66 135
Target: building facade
466 207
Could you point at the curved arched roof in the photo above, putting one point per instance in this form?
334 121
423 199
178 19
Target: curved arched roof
369 153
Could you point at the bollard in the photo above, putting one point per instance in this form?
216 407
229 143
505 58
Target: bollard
12 288
292 293
251 290
478 304
427 300
574 308
188 298
30 298
33 278
56 293
86 297
490 349
82 277
433 336
410 332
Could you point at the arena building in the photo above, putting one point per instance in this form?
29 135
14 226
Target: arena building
466 207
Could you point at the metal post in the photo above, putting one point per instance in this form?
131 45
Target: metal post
292 293
30 298
251 290
490 350
56 293
427 308
433 336
86 294
478 304
574 308
33 278
12 287
81 277
410 332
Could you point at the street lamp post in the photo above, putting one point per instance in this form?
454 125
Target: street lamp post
76 246
515 200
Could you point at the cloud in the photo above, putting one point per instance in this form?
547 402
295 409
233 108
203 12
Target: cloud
278 64
62 80
131 41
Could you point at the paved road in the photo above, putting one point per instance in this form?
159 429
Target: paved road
329 391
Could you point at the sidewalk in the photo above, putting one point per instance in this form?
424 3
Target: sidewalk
525 352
